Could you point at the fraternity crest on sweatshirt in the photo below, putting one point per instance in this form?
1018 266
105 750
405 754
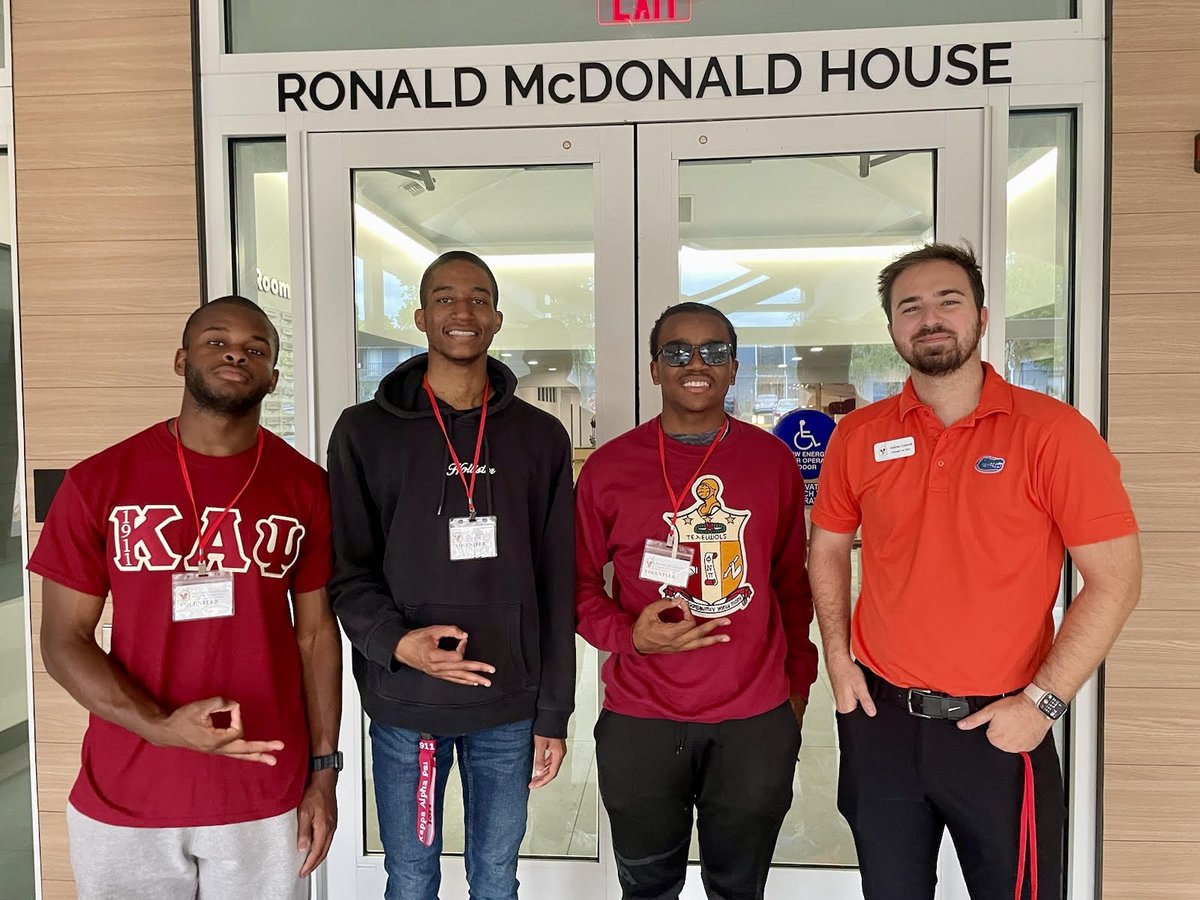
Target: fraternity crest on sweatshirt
717 585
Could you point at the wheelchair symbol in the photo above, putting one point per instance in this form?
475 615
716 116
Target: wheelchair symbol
809 439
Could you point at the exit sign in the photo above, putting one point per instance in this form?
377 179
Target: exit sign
643 12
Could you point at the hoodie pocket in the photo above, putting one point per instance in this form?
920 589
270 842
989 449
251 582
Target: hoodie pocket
493 636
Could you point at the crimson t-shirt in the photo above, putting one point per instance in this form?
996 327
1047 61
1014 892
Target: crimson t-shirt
120 525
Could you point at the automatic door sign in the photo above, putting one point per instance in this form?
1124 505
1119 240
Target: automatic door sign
807 433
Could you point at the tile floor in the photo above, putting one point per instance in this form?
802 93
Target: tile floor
563 816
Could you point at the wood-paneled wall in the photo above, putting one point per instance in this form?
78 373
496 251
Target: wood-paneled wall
1152 711
104 150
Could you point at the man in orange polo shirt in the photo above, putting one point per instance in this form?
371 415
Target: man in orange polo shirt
949 676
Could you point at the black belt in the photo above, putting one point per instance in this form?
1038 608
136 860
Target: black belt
927 704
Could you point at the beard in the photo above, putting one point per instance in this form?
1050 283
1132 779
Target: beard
228 404
943 359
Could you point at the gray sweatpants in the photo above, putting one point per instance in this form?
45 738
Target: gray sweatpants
248 861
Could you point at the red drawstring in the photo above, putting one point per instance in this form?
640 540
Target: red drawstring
1028 835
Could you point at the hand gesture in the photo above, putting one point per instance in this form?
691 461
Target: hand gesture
849 686
192 726
548 755
652 635
1015 724
316 819
419 650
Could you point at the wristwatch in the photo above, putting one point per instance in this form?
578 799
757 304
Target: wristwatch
1051 706
332 761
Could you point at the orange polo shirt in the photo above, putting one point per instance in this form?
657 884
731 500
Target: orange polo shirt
963 531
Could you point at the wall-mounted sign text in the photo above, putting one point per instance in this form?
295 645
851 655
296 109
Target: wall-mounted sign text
689 78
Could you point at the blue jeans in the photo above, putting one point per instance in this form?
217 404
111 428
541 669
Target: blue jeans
495 766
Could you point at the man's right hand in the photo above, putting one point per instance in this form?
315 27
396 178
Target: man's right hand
849 685
192 727
419 650
652 635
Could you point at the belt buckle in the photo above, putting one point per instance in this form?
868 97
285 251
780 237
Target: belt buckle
923 693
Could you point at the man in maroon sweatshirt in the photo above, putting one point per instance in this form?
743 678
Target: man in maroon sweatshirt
707 625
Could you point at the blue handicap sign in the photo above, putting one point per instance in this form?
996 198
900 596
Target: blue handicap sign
806 433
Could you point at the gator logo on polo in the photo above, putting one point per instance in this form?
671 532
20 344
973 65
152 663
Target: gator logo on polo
717 585
989 465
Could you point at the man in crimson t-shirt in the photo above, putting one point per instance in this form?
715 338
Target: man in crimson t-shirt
218 695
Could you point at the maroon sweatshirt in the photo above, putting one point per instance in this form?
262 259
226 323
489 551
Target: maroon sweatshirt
744 518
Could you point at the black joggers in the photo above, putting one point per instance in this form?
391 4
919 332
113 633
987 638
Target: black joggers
737 775
904 779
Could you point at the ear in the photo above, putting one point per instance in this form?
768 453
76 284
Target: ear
733 376
180 361
419 318
654 371
983 320
499 321
274 380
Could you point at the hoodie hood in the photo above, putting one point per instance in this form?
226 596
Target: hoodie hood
401 392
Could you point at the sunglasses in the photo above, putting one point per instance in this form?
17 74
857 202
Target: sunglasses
714 353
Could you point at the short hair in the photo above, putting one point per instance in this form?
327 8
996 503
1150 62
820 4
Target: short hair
243 303
963 257
680 309
451 256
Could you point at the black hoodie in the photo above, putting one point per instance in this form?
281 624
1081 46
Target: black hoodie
394 489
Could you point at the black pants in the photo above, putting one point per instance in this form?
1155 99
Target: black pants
904 779
736 774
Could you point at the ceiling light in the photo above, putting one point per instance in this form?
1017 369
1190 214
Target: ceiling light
783 365
551 369
797 358
364 218
1032 175
816 349
531 362
506 355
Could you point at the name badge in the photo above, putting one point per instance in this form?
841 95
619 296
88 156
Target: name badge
665 563
897 449
473 538
201 595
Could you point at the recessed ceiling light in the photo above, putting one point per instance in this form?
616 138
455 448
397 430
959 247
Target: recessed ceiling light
551 369
506 355
797 358
816 349
783 365
531 362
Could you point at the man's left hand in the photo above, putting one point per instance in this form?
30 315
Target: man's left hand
1015 724
799 705
548 755
317 819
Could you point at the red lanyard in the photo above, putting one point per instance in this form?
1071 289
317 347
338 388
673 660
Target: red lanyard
437 413
1028 834
677 501
202 538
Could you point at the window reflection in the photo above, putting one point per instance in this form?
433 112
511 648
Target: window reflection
16 813
1039 269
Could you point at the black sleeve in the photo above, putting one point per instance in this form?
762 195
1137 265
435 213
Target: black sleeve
361 597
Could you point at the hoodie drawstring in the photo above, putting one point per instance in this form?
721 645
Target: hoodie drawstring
487 470
444 476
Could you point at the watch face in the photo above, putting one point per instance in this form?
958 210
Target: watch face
1052 707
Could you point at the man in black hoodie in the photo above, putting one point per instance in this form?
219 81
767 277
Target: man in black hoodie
454 580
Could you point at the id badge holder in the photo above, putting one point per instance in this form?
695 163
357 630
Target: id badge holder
472 538
203 594
666 563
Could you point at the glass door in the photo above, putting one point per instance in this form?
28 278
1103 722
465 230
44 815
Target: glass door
552 213
784 225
